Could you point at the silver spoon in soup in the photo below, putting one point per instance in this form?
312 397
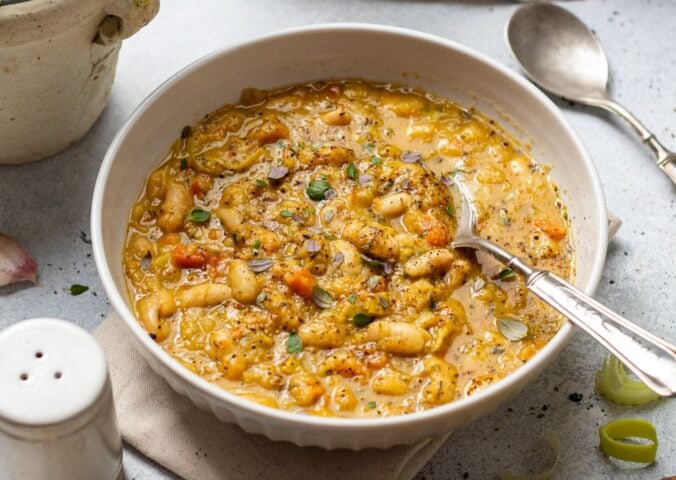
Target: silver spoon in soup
561 55
652 359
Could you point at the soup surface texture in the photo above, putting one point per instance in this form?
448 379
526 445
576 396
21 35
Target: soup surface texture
294 249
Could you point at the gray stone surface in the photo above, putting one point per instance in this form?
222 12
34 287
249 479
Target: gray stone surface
46 206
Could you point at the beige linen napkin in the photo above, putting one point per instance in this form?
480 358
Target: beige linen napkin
168 428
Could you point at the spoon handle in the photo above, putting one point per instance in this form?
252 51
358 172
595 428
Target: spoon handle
652 359
666 159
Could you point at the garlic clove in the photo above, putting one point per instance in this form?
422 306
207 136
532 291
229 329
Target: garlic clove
16 264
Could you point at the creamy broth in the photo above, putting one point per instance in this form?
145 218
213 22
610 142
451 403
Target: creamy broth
294 249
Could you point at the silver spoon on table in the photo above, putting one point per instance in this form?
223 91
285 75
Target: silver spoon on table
561 55
652 359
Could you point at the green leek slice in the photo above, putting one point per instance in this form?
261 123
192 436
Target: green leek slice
612 433
613 383
548 474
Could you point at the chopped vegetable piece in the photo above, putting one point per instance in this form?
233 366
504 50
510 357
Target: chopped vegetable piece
351 171
612 433
302 282
361 319
294 344
261 183
548 474
511 329
77 289
286 213
189 256
316 189
321 297
199 215
259 265
506 275
613 383
556 230
352 298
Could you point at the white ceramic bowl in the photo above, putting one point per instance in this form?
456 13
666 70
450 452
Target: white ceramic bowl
340 51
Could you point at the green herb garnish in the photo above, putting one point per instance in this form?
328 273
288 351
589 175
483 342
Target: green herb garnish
372 261
375 160
199 215
372 404
506 275
257 244
317 188
77 289
294 344
260 298
361 319
184 164
511 329
321 297
351 171
286 213
450 210
261 183
352 298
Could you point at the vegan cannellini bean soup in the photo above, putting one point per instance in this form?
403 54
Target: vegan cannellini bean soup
294 249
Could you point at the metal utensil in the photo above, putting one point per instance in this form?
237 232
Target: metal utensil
561 55
652 359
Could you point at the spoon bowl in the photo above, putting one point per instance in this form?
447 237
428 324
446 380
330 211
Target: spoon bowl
558 52
562 55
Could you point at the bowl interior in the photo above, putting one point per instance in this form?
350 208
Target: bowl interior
374 53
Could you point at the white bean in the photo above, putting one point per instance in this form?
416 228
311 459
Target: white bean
433 262
337 118
153 309
242 281
373 240
392 205
204 295
398 337
175 208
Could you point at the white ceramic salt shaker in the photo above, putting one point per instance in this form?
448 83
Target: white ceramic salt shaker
57 417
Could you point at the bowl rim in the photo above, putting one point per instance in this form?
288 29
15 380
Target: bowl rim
340 423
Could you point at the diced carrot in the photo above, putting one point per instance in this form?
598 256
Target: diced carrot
196 187
554 229
376 360
189 256
435 232
302 282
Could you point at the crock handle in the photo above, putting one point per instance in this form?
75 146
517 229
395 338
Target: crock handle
125 18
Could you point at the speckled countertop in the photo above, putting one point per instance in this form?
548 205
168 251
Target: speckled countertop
46 207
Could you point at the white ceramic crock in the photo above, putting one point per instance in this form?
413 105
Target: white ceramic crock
57 63
334 52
